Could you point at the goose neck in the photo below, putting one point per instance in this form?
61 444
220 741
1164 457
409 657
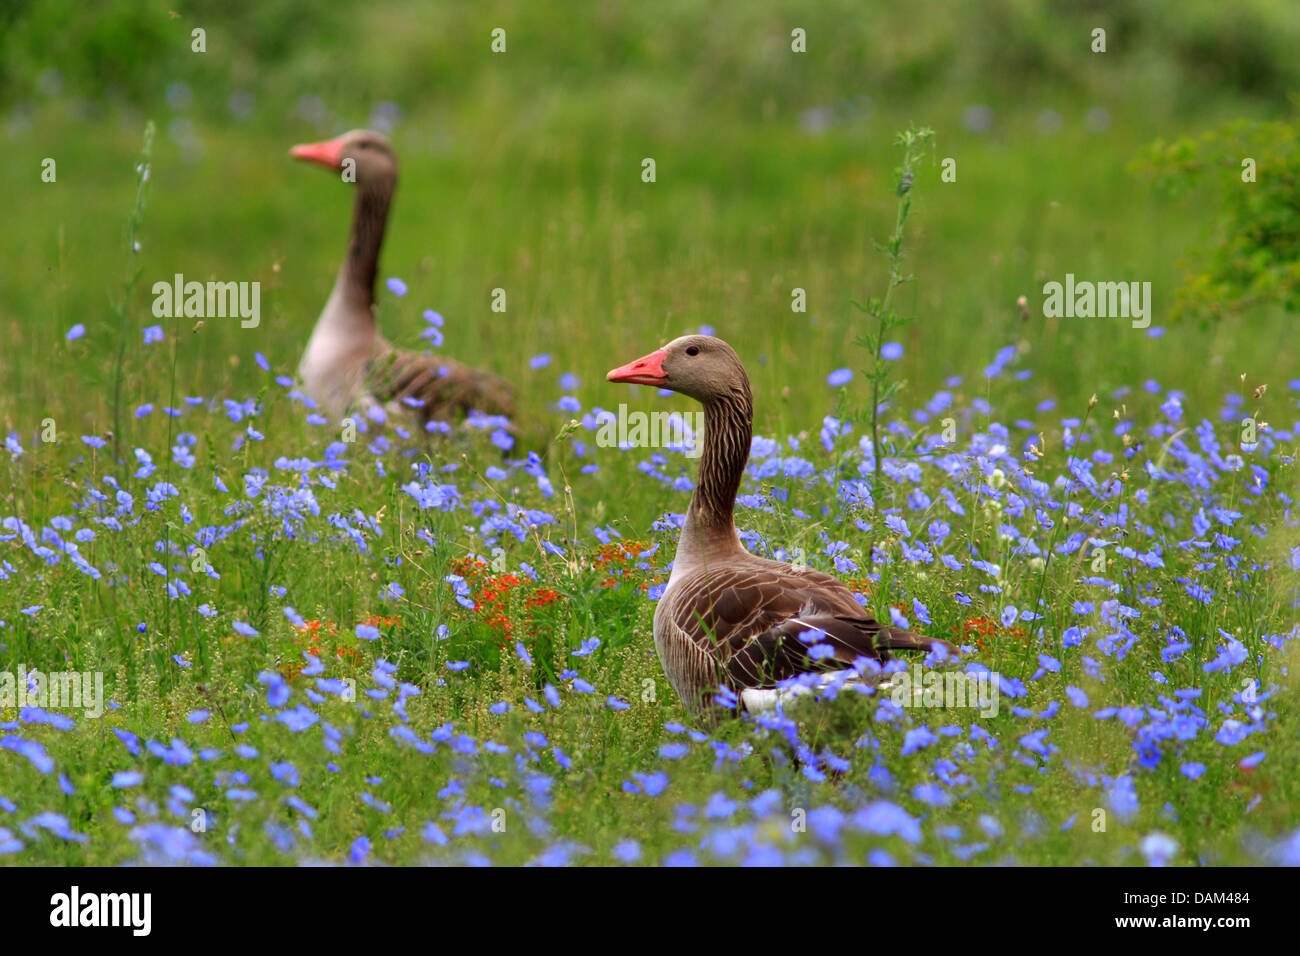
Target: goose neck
369 218
728 430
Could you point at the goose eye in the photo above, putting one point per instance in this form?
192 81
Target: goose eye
693 350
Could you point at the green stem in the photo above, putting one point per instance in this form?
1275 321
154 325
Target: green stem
911 141
128 286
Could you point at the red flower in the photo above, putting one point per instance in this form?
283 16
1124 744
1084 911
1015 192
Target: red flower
982 627
493 593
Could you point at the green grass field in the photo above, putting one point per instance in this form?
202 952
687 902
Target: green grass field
1131 580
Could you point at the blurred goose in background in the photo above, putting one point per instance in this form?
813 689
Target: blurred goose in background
726 617
347 361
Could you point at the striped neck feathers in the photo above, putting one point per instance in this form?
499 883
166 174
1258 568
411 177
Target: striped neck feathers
369 218
728 430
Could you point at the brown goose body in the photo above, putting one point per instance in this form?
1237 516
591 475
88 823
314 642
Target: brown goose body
347 362
728 618
442 389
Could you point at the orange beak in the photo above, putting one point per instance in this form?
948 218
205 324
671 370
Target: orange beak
644 371
328 153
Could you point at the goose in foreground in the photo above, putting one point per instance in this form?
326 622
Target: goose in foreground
728 618
347 361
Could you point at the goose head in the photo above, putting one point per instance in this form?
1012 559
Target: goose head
702 367
371 154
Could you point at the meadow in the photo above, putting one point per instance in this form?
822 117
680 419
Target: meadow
401 651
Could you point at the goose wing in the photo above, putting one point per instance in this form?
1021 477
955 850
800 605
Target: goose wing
447 389
751 619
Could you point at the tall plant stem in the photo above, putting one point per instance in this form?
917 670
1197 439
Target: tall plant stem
912 141
129 283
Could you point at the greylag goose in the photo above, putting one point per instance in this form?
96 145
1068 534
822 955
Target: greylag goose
728 618
347 361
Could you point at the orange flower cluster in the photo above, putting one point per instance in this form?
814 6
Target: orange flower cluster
618 559
492 594
975 629
859 585
311 642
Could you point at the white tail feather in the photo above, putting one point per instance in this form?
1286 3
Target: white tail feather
757 699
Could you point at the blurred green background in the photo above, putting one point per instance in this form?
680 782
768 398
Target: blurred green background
522 170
